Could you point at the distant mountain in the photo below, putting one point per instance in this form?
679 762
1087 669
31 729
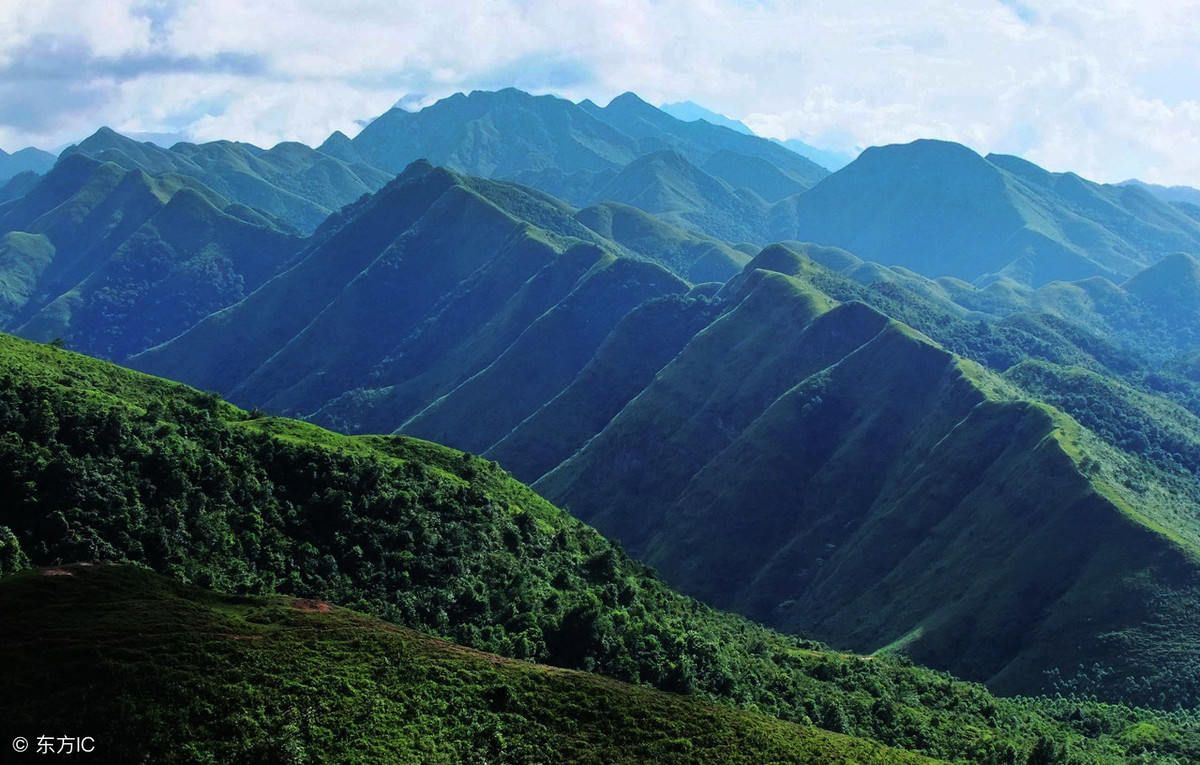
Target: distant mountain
664 183
26 160
833 160
114 261
292 184
942 210
1167 193
569 150
689 111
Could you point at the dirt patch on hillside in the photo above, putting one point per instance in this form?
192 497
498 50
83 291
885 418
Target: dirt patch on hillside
310 606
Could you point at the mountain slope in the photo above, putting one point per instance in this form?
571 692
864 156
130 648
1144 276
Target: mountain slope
832 468
113 261
255 669
431 252
942 210
699 141
107 464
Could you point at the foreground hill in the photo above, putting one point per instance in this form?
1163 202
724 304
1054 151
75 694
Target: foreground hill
241 679
114 260
105 464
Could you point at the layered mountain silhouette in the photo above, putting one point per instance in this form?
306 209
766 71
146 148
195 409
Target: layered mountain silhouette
570 150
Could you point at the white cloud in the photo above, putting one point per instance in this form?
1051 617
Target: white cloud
1103 87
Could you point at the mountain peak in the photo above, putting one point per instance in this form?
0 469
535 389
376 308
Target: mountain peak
1175 278
629 100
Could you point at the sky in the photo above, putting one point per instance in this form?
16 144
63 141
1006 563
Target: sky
1106 88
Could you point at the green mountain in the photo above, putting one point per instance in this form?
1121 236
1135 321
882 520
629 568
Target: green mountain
942 210
665 184
292 184
569 150
543 141
113 261
28 160
104 464
425 285
275 679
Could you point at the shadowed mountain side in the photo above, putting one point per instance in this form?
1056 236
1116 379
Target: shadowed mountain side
640 345
545 359
113 260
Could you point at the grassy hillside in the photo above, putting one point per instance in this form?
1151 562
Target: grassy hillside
101 463
202 677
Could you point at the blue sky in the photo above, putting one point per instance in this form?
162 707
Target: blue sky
1108 88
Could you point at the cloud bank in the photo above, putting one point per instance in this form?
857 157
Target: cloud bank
1107 88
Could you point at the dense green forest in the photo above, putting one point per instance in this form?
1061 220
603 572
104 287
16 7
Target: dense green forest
103 464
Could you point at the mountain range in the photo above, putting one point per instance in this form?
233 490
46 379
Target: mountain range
934 404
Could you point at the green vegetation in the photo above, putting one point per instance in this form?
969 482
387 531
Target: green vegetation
175 674
101 463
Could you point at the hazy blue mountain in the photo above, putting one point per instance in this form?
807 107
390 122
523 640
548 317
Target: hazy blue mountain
827 158
1167 193
569 150
25 160
698 141
293 184
689 111
942 210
